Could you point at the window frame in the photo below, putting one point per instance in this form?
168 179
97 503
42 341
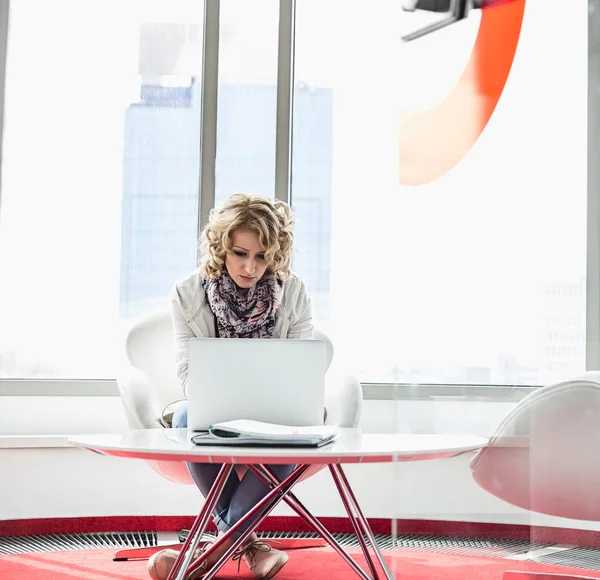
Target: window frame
4 16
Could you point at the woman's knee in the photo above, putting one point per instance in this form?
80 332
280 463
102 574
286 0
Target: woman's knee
282 471
180 416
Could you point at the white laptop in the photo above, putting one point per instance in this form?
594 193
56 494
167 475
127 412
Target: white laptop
270 380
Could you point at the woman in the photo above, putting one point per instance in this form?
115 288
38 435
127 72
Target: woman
243 289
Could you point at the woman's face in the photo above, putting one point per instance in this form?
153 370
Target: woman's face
246 262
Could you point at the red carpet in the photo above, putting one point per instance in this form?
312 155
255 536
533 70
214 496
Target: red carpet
315 563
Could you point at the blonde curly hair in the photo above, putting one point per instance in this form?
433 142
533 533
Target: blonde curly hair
272 221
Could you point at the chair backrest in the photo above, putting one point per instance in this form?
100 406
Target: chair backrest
150 348
545 456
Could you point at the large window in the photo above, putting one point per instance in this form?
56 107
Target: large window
99 176
476 276
247 97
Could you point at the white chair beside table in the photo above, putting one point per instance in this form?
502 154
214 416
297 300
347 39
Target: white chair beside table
149 382
545 457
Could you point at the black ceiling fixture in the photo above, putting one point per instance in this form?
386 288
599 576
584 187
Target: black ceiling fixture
454 10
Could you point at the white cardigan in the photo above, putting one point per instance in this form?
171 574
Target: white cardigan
192 316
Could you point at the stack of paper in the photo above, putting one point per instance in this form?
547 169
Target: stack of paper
256 433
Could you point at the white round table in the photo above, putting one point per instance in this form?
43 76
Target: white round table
350 446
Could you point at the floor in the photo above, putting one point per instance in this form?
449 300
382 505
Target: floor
559 555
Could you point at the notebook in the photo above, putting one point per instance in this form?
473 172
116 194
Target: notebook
257 433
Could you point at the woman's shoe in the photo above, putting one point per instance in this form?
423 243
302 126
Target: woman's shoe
263 560
161 563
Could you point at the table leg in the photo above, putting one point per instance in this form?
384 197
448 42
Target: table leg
264 507
355 524
346 492
281 490
268 477
196 533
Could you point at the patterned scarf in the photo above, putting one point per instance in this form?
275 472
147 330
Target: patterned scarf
243 313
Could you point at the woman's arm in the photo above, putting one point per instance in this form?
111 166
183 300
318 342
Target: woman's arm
301 321
183 333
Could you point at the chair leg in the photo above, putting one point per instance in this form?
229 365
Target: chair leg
146 552
282 543
517 575
295 543
141 553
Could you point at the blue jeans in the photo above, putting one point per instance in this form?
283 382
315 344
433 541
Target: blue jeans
238 496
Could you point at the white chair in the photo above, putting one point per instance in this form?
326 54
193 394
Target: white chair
148 382
545 455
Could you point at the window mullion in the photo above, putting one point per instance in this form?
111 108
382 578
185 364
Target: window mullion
593 193
4 15
285 96
208 116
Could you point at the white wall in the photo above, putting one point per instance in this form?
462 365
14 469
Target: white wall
56 482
